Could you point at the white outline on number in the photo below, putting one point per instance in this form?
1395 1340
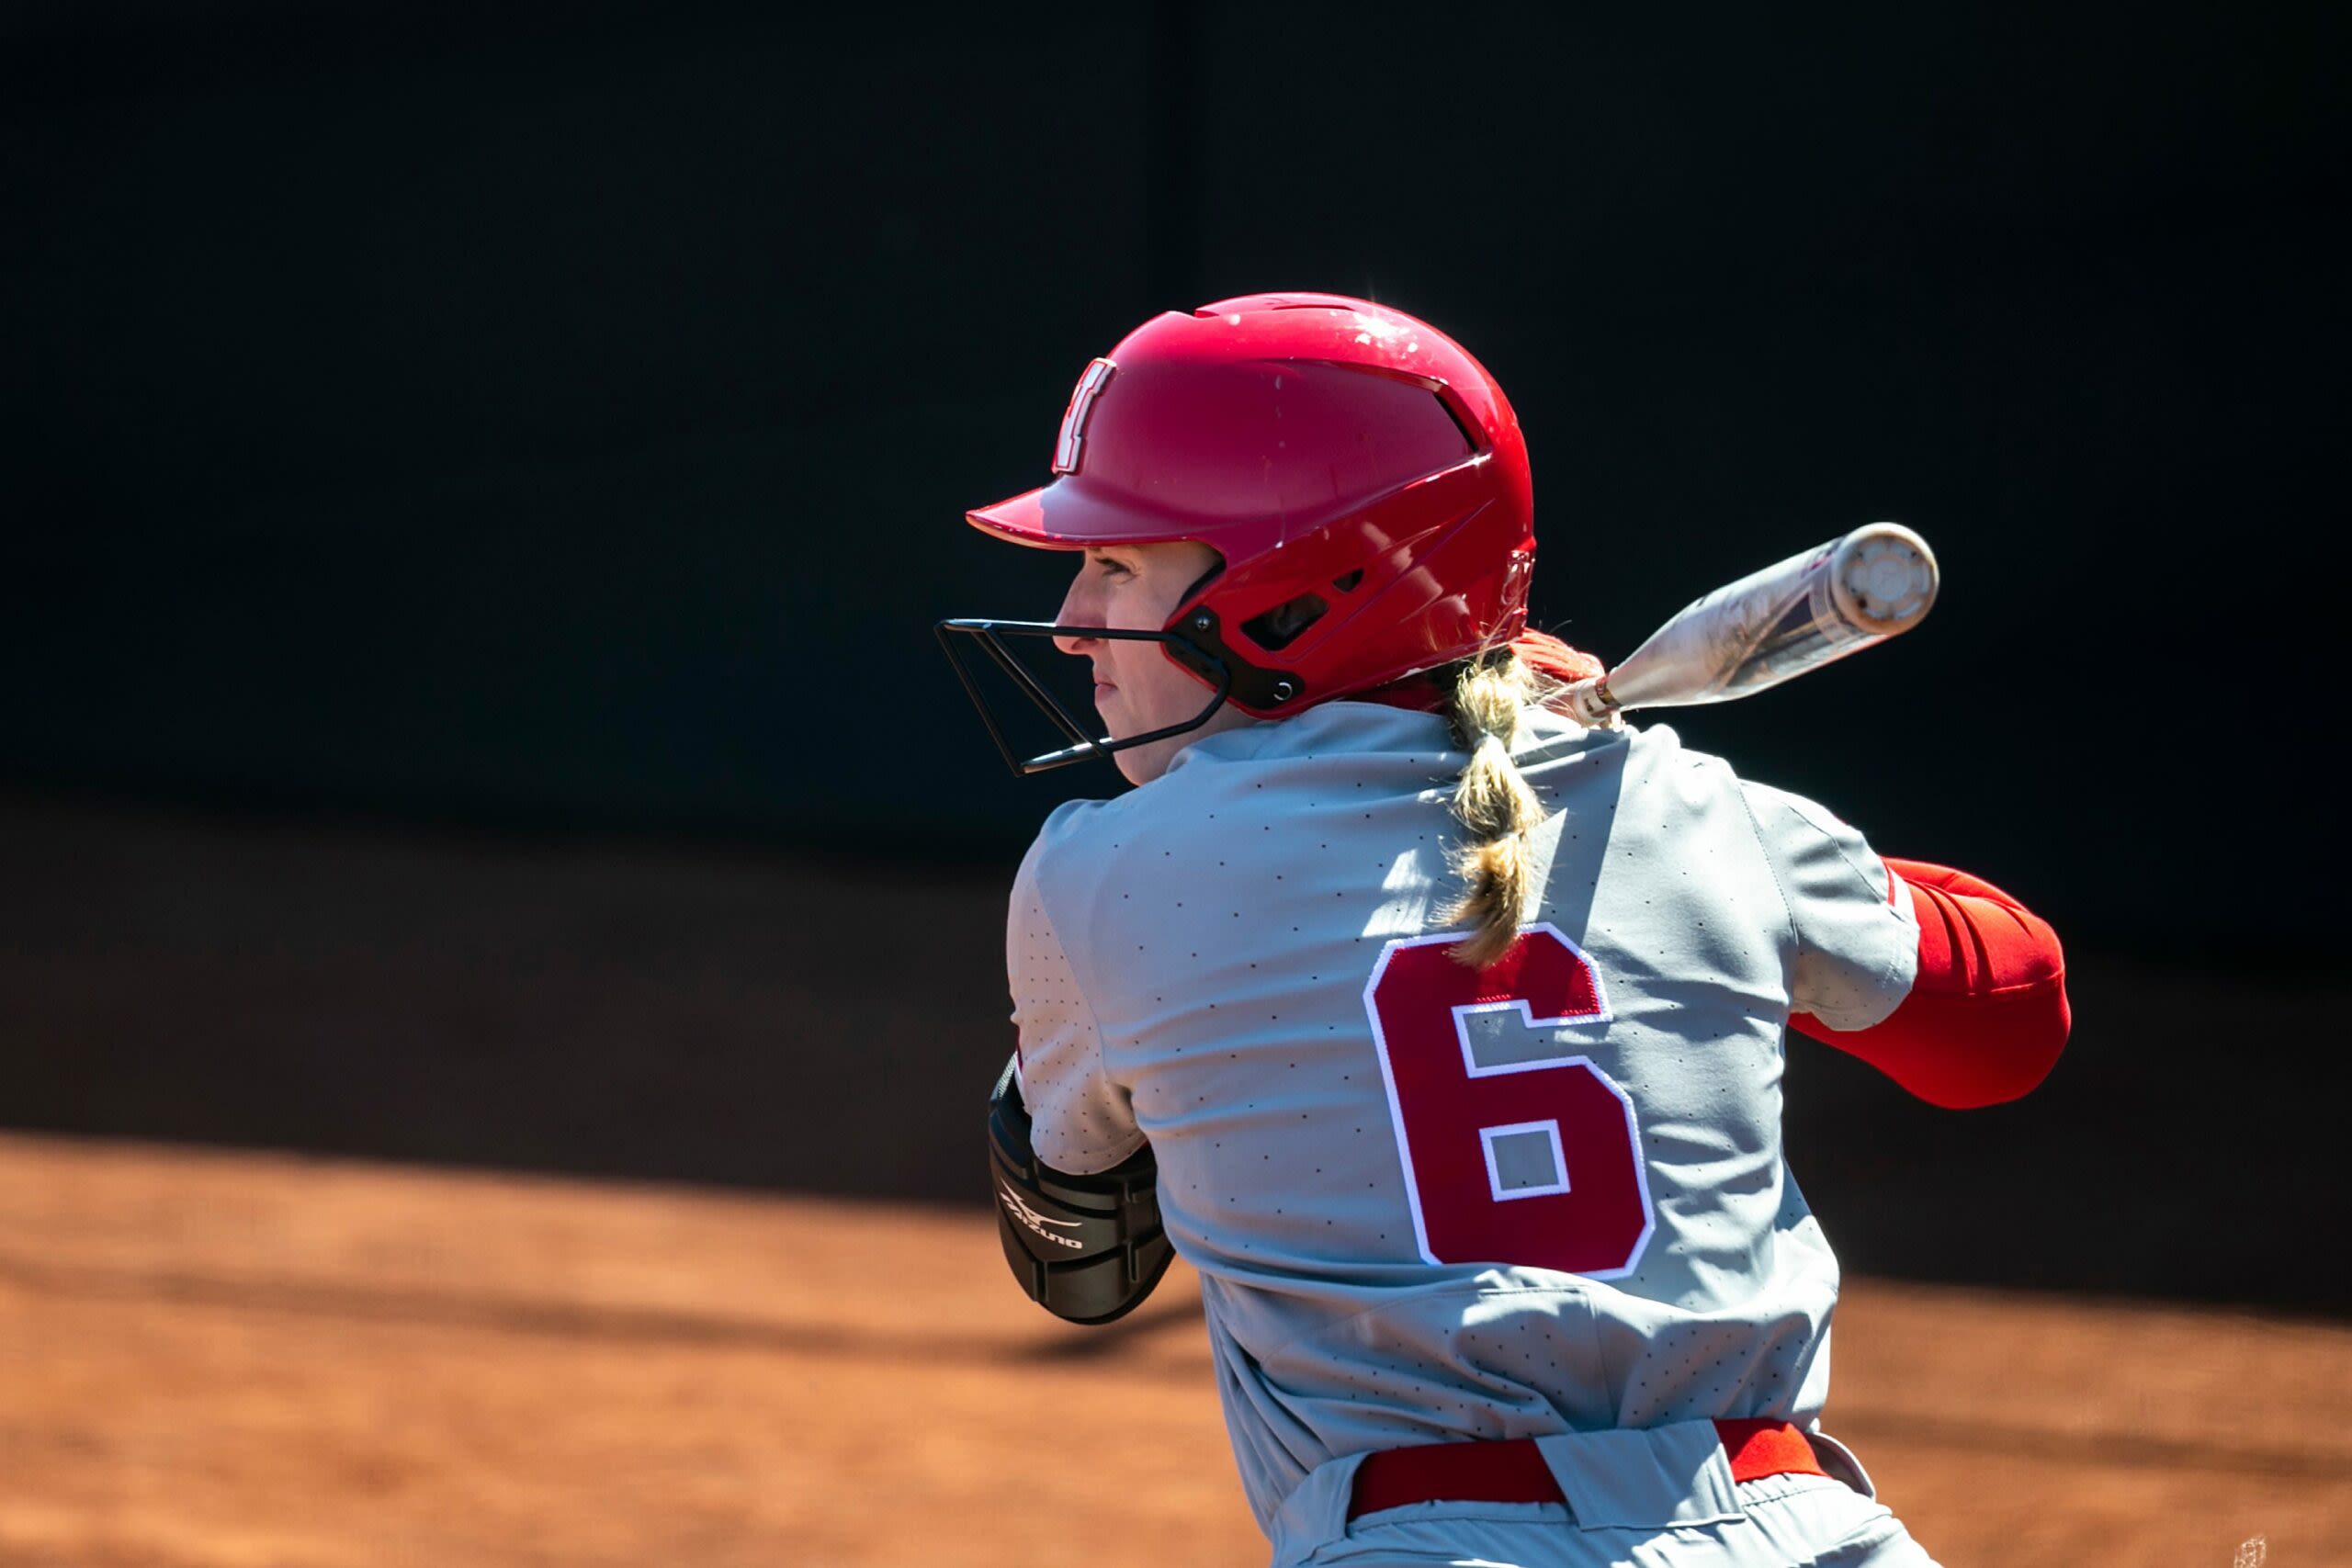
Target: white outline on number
1072 439
1396 1109
1550 1128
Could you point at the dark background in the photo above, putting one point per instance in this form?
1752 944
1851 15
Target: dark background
477 482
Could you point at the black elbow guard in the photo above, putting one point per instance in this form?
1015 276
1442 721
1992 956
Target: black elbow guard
1088 1249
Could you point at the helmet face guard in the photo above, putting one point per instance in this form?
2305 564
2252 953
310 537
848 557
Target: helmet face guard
990 634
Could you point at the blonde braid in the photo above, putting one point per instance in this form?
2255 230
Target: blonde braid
1495 802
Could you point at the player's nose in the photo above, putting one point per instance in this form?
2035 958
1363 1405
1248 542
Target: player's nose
1078 610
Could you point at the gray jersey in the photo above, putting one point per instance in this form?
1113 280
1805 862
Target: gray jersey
1428 1205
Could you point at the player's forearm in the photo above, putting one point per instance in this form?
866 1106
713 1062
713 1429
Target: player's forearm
1987 1015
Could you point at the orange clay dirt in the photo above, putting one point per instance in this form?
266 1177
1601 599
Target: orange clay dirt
262 1360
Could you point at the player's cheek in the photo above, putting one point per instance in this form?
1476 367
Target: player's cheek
1120 671
1144 603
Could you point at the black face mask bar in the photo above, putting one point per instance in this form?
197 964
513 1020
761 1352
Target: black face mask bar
989 635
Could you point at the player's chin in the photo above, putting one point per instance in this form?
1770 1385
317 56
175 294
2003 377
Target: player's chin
1144 763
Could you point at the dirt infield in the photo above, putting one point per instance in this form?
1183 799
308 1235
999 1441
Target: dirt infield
269 1361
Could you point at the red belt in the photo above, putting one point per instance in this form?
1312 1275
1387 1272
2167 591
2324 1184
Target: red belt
1514 1472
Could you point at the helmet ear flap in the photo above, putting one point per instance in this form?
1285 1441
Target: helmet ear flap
1196 639
1277 628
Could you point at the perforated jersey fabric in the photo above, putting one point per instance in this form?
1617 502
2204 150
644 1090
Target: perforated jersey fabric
1194 962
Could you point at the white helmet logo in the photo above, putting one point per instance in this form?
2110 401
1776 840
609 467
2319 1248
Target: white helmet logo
1081 402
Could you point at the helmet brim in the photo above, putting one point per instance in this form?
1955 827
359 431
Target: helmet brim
1064 516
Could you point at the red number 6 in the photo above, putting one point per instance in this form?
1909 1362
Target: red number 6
1513 1152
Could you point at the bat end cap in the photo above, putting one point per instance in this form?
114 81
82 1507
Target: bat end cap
1885 578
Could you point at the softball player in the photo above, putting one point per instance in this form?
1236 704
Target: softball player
1440 1034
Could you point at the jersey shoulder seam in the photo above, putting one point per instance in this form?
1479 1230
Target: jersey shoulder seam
1892 971
1799 804
1756 832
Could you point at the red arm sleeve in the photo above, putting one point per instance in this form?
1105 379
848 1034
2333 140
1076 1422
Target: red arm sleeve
1987 1016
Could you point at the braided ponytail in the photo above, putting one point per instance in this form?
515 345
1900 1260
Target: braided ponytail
1495 802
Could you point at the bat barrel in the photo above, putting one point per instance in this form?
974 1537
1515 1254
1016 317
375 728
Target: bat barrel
1822 604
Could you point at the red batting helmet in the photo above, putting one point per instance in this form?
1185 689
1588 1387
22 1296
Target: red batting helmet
1362 478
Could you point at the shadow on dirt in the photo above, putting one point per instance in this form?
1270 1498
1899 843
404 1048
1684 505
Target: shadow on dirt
743 1019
